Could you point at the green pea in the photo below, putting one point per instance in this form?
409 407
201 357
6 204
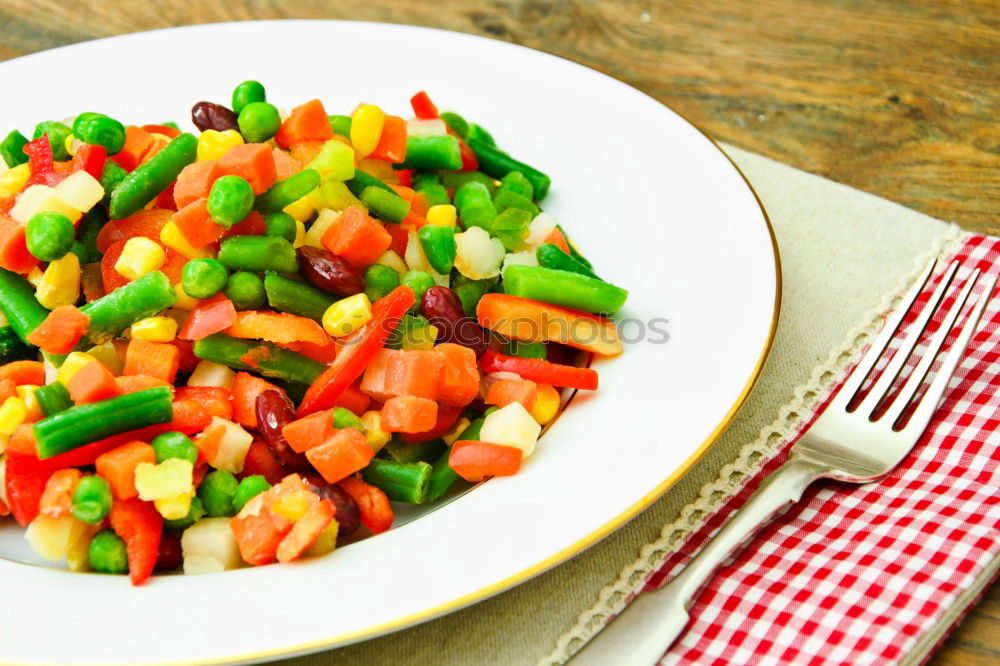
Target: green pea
57 133
203 278
230 200
91 500
12 149
111 177
107 553
98 129
281 224
345 418
249 488
258 121
216 492
49 236
194 514
246 290
419 282
174 445
247 92
379 281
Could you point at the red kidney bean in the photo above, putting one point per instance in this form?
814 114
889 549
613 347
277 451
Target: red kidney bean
329 272
170 556
443 309
274 410
345 508
209 116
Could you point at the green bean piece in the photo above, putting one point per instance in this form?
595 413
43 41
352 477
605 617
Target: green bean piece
194 514
516 182
107 553
552 256
385 206
443 476
456 179
345 418
498 164
456 123
113 313
12 149
341 125
98 129
402 482
246 290
434 193
91 500
174 445
419 282
571 290
258 253
477 133
511 227
53 398
287 191
470 291
12 348
87 423
18 304
87 229
49 236
523 349
150 178
475 206
379 281
111 178
273 361
420 178
297 298
402 451
57 133
432 152
573 252
281 225
409 323
438 243
363 180
203 278
508 199
216 492
248 92
250 487
230 200
258 121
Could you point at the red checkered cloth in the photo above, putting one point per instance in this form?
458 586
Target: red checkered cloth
858 574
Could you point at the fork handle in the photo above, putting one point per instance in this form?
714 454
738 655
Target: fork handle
658 618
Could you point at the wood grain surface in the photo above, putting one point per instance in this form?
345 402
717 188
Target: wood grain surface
898 98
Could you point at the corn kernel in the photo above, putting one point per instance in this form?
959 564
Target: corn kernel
41 199
213 144
139 256
171 236
303 208
184 302
71 365
421 338
207 373
292 506
174 508
13 180
26 392
442 214
3 448
60 283
392 260
452 435
374 435
35 276
167 479
546 404
71 144
319 227
13 413
300 234
80 190
347 315
108 355
155 329
366 128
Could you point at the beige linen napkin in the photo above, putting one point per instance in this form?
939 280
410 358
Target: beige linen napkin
841 250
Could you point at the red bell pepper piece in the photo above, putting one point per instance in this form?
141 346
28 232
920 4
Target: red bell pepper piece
40 160
405 177
25 476
538 370
376 512
210 316
140 525
358 350
90 159
469 160
423 107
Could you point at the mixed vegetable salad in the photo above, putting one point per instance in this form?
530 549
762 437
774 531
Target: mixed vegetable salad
235 346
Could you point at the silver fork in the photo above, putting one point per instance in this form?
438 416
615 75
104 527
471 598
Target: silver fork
846 443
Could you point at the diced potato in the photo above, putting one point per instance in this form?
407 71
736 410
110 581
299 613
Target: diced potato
511 426
80 190
175 507
526 258
233 446
207 373
41 199
52 538
167 479
393 261
210 539
478 256
202 564
540 228
78 557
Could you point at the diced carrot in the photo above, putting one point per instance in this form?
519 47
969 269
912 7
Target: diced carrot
305 531
155 359
208 441
408 413
373 382
392 144
354 400
505 391
254 162
117 466
173 265
195 182
324 353
277 327
146 223
14 255
558 239
133 383
91 383
138 142
418 207
258 530
309 431
261 461
357 238
24 372
252 225
61 330
447 417
215 400
459 375
304 152
416 373
376 512
189 416
210 316
196 225
285 165
308 122
246 388
340 456
57 498
8 389
475 461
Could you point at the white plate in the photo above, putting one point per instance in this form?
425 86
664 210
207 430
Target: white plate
651 201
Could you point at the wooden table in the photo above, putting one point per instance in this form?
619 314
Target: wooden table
899 99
